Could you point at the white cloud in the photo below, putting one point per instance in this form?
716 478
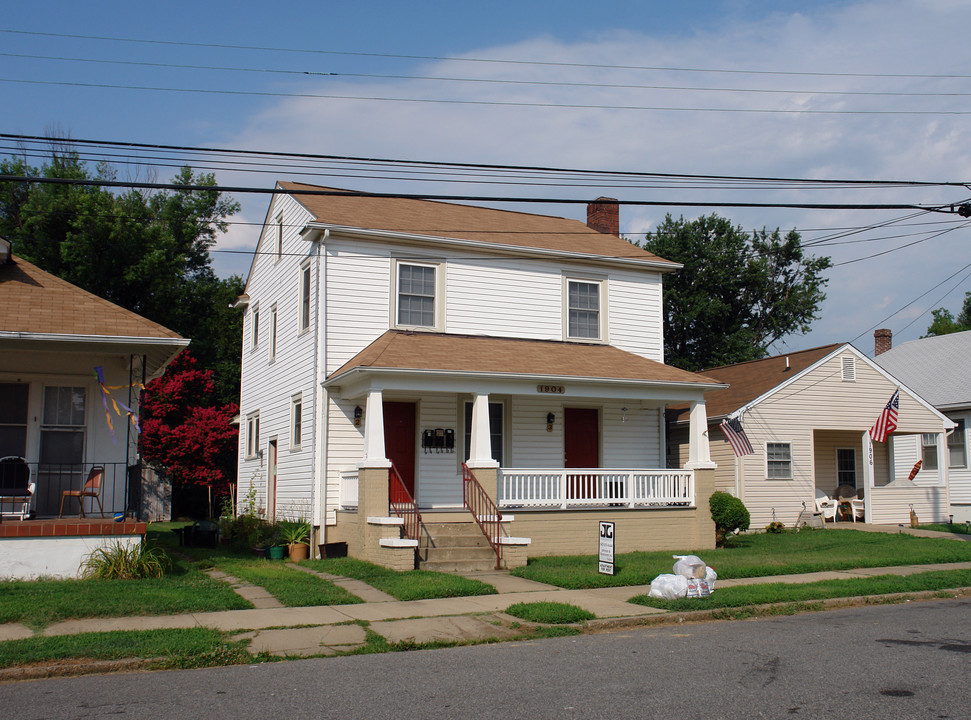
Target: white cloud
904 37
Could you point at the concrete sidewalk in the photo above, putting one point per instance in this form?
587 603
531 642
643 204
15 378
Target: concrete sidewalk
330 629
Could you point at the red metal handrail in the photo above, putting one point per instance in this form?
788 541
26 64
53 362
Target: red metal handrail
403 504
483 509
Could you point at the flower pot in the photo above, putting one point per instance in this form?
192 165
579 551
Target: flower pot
260 551
299 551
275 552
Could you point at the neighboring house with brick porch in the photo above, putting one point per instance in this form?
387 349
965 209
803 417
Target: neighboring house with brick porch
425 349
938 368
53 336
807 416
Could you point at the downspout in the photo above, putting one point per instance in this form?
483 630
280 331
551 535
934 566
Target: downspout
320 398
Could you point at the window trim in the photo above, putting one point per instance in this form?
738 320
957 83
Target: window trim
439 312
273 332
787 443
252 435
304 290
255 326
296 421
924 444
960 431
602 289
856 478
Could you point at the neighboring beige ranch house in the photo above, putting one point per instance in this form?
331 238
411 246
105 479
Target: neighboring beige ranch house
438 347
807 415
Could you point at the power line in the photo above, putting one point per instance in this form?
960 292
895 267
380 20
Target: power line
497 61
486 81
494 103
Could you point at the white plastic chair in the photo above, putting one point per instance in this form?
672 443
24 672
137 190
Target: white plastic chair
826 506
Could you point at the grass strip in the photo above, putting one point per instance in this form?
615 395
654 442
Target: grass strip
746 595
756 555
550 613
410 585
181 648
291 587
39 603
956 528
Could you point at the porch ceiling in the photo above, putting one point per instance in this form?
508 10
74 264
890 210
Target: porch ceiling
464 363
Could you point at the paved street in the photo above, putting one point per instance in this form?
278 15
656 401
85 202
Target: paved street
898 661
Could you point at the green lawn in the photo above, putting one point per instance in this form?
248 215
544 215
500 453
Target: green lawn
757 555
411 585
290 586
748 595
956 528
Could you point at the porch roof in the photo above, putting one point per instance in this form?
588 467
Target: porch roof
43 312
438 354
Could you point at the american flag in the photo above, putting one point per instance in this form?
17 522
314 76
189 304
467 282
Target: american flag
887 422
737 437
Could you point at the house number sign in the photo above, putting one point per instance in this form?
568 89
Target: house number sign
554 389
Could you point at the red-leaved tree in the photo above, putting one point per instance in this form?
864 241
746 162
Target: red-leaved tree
185 432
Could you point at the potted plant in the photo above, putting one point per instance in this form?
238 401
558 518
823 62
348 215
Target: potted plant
295 534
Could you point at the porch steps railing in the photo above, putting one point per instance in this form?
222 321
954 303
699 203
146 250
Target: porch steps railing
595 487
484 510
403 504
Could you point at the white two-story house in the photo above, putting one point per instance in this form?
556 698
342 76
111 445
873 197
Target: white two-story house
477 362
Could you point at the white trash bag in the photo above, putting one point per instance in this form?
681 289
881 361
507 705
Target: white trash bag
690 566
710 577
669 587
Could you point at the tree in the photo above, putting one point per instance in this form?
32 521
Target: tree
148 252
945 323
729 514
738 291
185 430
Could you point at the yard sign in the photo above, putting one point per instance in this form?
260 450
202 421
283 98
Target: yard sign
606 548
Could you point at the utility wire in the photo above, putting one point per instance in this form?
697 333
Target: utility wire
494 103
486 81
498 61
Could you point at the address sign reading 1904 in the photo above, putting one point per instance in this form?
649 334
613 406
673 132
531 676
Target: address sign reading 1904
556 389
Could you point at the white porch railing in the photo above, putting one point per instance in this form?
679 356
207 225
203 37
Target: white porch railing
349 485
578 488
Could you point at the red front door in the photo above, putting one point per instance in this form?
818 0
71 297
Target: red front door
400 440
581 449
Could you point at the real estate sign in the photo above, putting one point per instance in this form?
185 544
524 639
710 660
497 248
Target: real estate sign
606 548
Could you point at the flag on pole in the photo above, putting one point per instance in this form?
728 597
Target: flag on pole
737 437
887 422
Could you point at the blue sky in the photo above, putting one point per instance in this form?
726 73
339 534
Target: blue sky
780 89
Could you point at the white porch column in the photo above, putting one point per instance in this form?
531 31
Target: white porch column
869 477
374 452
480 446
699 454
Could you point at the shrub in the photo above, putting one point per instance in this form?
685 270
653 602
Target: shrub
729 514
125 562
775 527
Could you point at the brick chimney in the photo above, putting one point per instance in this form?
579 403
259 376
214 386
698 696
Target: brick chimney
882 341
603 215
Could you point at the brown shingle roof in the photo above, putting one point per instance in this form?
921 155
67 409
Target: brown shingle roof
466 222
749 380
34 301
402 350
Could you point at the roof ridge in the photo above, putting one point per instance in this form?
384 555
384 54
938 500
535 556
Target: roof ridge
775 357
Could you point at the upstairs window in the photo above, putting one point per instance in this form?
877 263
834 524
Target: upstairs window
273 333
417 285
583 310
278 240
255 326
304 297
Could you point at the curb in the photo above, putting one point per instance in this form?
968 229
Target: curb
67 668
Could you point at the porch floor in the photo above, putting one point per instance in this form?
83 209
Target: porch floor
69 527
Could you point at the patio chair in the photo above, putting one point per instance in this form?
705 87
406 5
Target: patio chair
826 506
91 488
848 497
15 486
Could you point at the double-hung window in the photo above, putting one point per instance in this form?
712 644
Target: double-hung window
584 314
304 296
252 434
778 460
957 452
13 419
417 286
928 442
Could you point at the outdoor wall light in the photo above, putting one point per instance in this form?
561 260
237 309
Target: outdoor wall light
357 415
550 417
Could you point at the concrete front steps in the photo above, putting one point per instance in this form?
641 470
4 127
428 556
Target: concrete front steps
455 547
